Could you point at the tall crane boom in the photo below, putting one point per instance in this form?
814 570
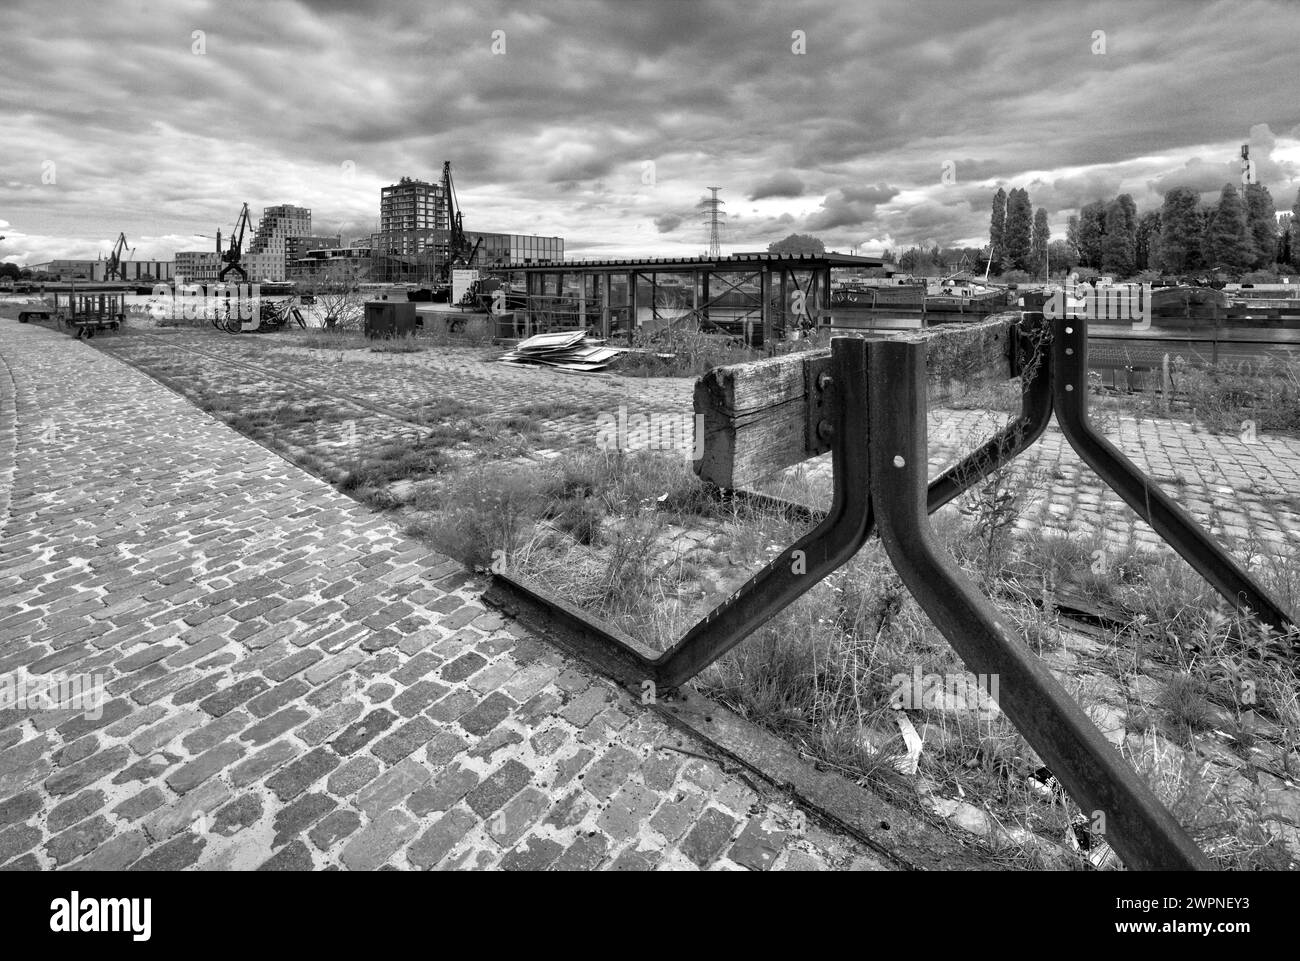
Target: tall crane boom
460 252
233 256
114 269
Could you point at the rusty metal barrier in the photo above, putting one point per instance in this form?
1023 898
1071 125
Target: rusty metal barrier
876 402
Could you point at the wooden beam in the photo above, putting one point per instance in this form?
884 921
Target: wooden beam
756 416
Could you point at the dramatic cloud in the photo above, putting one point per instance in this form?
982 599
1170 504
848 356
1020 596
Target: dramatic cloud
780 185
604 122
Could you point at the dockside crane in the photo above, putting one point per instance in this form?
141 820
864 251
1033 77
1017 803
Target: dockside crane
232 256
460 253
114 269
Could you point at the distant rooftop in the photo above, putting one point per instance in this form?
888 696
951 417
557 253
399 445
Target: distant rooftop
717 263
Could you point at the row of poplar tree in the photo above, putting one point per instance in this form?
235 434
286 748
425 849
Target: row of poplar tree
1237 233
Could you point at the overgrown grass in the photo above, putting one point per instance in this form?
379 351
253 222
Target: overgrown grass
1224 396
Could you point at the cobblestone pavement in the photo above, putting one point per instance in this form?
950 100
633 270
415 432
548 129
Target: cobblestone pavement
1245 489
289 682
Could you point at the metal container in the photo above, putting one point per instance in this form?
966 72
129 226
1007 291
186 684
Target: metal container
389 318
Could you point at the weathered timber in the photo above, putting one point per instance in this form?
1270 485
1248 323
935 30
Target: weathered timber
762 416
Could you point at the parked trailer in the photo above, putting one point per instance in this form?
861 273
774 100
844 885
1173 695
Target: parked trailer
89 312
83 313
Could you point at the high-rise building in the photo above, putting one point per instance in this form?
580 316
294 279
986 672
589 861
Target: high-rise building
410 211
278 225
412 204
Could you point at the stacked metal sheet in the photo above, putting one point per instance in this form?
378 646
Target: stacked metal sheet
569 350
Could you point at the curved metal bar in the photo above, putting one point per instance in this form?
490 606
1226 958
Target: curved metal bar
1144 833
1012 440
1180 531
830 544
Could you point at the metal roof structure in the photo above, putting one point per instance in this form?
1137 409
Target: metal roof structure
733 261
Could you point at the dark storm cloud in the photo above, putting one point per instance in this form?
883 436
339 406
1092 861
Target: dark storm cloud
604 121
850 206
779 185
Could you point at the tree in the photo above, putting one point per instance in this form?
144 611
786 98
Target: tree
1295 230
1062 255
1092 227
1039 240
1261 225
997 231
1117 254
1180 232
1227 241
9 270
1017 236
1147 241
797 244
337 291
1283 256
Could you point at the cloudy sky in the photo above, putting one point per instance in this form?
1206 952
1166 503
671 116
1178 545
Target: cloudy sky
605 122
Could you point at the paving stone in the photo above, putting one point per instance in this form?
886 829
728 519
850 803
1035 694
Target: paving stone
277 697
215 732
74 809
204 766
627 810
633 859
532 854
114 854
176 855
162 733
240 813
501 785
78 840
334 828
391 787
272 727
516 816
417 697
294 857
190 811
358 735
483 718
18 839
462 667
677 814
225 701
300 815
440 838
355 774
73 778
608 774
19 808
379 841
584 854
292 780
708 837
263 763
404 740
447 788
756 848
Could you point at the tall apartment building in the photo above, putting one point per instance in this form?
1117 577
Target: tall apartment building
278 225
409 212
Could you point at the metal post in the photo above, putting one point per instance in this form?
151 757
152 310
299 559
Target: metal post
819 552
1144 496
1145 834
